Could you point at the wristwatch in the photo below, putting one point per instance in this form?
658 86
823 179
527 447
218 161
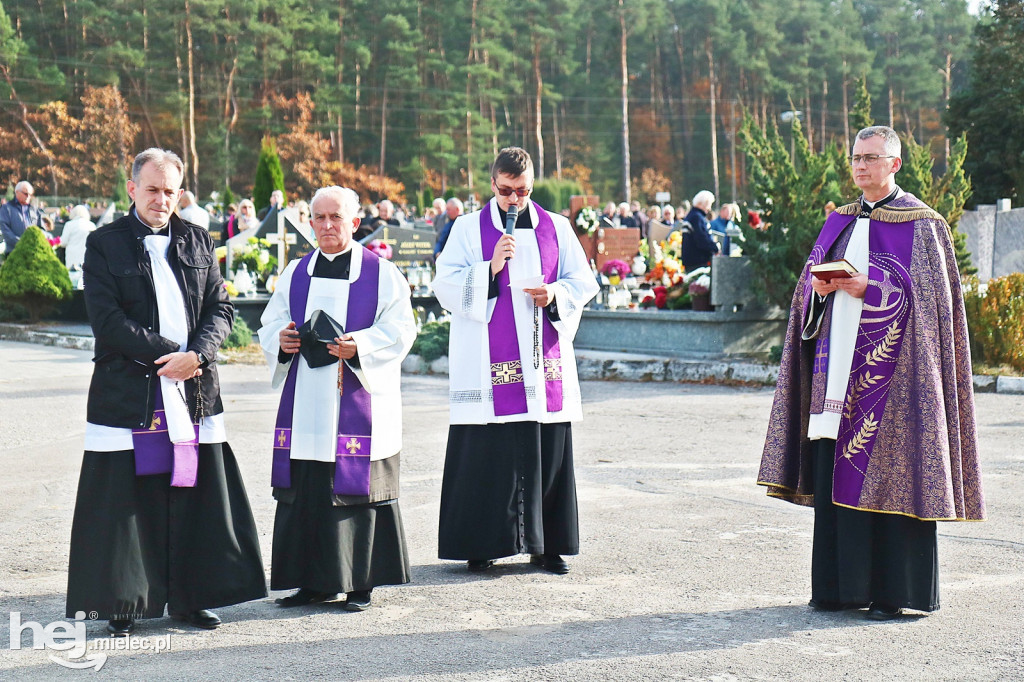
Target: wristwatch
203 362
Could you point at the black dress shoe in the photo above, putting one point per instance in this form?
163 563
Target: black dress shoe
477 565
302 597
880 611
358 600
551 563
207 620
121 627
821 605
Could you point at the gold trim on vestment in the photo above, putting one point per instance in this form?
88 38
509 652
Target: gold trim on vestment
849 209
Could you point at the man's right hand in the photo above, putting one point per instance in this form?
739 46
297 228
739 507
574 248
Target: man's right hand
821 287
289 339
505 248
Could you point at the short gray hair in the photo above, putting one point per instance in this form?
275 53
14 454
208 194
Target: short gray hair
455 201
893 146
79 212
704 198
348 199
23 186
161 157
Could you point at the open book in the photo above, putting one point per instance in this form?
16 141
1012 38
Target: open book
833 269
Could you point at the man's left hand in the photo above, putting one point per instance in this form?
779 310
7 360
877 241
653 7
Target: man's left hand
855 286
343 347
542 296
179 366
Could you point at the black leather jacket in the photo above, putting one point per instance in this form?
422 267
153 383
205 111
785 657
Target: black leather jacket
121 300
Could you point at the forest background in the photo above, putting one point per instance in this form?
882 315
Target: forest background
413 97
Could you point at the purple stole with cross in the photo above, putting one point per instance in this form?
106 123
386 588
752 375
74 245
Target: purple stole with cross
355 419
883 322
156 454
503 340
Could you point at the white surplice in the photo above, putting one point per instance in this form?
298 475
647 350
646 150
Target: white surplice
461 285
381 349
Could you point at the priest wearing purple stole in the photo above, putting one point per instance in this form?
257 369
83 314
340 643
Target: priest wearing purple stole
873 420
161 518
338 434
516 300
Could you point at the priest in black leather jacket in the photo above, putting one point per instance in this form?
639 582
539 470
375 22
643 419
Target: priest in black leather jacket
161 518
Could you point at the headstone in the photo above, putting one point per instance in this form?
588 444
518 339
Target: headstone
408 245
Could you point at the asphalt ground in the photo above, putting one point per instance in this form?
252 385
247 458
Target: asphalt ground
687 569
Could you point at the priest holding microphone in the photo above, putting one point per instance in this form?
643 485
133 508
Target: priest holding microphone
515 279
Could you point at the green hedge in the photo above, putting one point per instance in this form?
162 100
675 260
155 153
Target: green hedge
432 342
995 320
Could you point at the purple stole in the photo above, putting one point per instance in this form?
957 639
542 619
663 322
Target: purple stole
503 340
156 454
883 321
355 420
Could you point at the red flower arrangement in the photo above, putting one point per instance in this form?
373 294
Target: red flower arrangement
616 267
381 248
754 220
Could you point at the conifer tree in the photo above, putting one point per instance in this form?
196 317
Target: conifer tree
33 276
860 113
269 175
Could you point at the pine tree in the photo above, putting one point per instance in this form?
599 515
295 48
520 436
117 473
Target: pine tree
121 198
269 175
791 202
946 194
860 113
33 276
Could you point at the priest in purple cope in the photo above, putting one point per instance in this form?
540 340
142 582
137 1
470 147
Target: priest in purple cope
337 439
161 518
516 302
873 420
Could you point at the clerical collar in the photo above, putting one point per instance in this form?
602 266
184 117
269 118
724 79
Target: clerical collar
867 206
523 222
333 265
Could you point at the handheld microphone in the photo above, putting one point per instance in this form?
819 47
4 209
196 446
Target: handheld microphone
510 222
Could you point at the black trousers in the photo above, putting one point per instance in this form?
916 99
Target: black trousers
861 557
508 489
137 544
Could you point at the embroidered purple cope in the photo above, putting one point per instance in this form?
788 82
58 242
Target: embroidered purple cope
156 454
883 321
506 364
352 453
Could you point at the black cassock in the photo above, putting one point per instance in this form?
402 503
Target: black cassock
861 557
138 544
508 489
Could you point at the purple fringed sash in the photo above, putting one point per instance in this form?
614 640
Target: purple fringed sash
883 322
506 364
355 420
156 454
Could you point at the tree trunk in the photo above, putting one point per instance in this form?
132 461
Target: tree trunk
538 130
339 65
846 115
714 122
383 126
824 108
191 100
23 118
626 189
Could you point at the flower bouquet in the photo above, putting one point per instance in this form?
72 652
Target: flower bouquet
615 270
588 220
381 248
256 256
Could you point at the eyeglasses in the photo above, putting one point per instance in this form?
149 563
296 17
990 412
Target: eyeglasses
508 191
869 159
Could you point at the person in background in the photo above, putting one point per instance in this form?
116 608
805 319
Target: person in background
73 238
276 204
723 226
698 247
440 219
453 209
191 212
625 216
17 215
